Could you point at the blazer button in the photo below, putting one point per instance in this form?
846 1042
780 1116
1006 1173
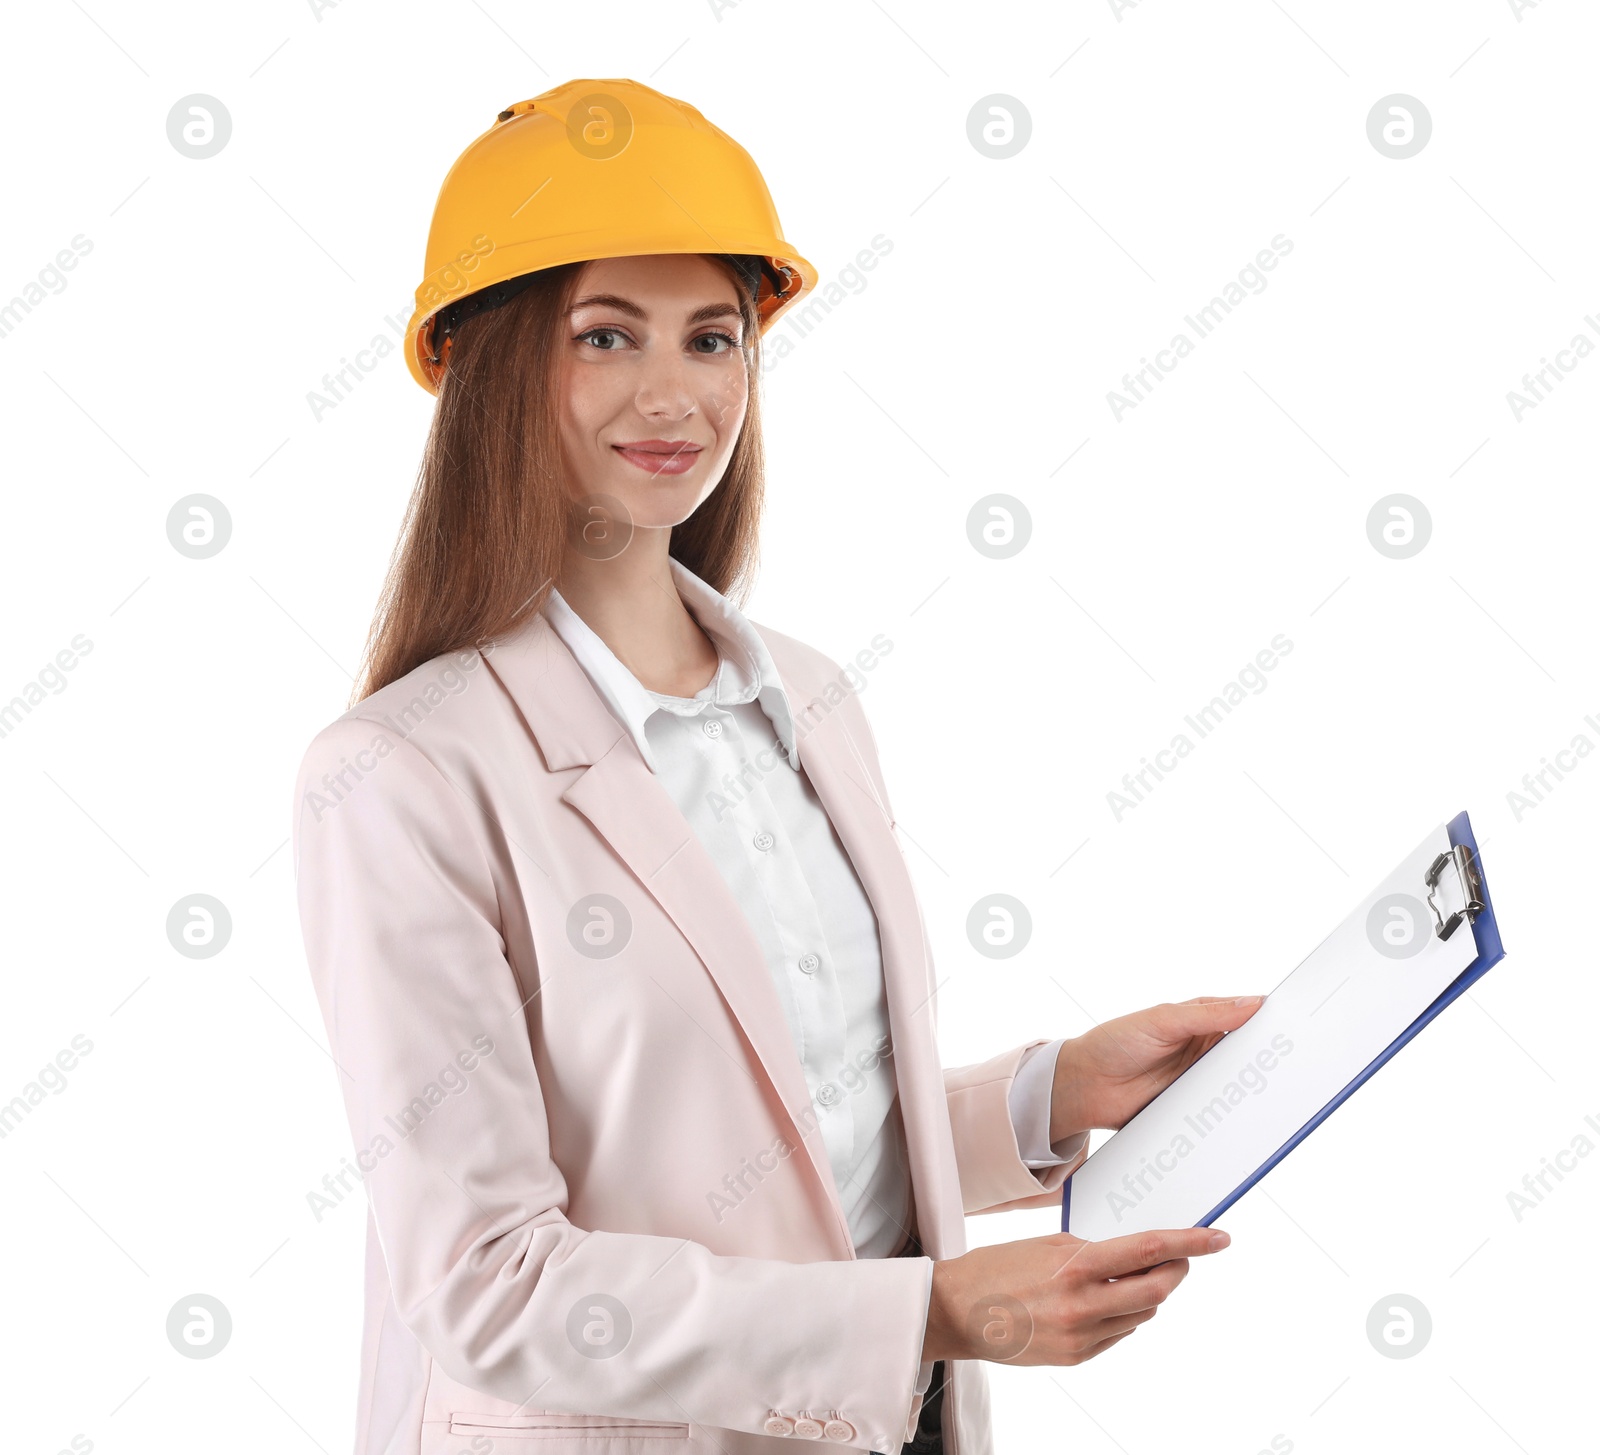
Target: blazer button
806 1427
763 841
837 1429
778 1424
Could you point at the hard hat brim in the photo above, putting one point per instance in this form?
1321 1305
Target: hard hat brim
439 295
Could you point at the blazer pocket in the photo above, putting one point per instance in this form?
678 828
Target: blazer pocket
562 1427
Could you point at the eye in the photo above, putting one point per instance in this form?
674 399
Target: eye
617 339
714 337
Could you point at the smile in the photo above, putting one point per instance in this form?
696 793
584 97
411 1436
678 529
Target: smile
661 457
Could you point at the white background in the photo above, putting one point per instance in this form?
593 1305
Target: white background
1169 145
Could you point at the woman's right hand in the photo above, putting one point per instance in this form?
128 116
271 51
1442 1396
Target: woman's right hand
1056 1299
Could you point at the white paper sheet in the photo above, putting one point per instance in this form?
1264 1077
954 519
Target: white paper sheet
1214 1128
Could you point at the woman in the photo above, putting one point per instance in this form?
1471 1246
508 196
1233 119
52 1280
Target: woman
622 967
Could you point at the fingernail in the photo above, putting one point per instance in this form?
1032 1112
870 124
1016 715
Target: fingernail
1249 999
1219 1241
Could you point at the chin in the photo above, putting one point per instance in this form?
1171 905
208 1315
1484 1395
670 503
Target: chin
658 504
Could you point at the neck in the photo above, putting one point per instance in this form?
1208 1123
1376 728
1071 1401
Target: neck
632 604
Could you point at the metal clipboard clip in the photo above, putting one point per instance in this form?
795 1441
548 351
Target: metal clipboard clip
1471 890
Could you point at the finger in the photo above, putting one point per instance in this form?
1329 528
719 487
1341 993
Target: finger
1069 1249
1135 1251
1097 1349
1134 1292
1114 1328
1203 1016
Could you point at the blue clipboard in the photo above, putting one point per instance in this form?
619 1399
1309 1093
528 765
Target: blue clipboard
1489 952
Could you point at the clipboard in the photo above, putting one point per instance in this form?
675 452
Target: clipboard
1422 937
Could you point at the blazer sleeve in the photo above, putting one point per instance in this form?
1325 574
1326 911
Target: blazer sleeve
994 1178
426 1024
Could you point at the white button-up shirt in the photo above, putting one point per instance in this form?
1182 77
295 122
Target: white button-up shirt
728 757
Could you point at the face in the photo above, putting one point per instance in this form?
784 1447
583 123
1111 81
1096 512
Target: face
654 384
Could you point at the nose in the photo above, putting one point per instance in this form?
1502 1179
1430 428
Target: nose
664 391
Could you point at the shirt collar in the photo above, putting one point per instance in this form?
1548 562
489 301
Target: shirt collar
745 669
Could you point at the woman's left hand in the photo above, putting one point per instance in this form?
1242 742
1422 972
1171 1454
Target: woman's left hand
1106 1075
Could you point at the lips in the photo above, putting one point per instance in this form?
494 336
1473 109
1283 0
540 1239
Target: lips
660 457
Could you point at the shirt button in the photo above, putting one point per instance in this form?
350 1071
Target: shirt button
828 1094
763 841
807 1428
713 728
839 1430
809 963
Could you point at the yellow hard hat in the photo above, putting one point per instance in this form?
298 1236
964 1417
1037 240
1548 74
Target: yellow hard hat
593 169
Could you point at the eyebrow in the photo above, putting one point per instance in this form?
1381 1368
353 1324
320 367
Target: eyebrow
704 314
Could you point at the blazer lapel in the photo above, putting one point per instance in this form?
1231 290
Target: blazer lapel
837 770
635 814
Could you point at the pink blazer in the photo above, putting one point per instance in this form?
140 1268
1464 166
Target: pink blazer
598 1208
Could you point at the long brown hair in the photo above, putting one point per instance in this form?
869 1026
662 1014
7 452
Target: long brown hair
487 526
